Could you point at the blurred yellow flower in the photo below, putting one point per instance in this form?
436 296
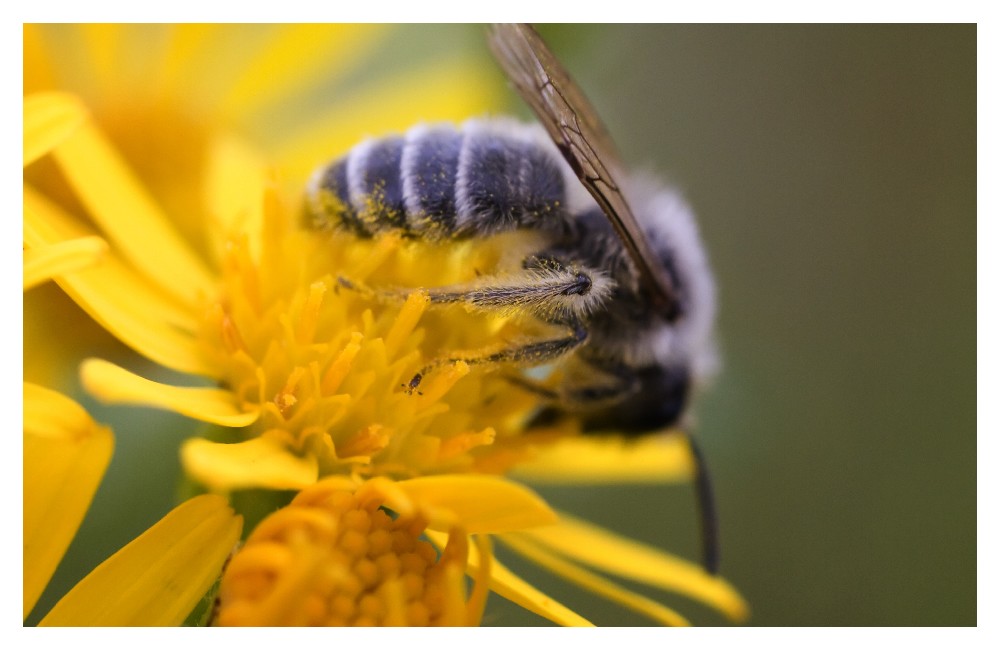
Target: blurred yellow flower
174 162
159 577
335 557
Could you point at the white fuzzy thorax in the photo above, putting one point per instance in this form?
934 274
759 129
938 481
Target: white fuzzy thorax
669 223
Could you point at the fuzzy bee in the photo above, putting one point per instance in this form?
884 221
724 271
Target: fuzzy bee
626 281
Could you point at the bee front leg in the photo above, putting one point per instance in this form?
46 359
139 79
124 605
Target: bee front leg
547 291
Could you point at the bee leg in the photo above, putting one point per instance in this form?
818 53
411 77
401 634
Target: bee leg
547 290
367 292
621 383
593 384
534 353
533 386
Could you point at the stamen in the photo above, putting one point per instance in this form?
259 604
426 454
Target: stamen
463 442
325 367
285 399
245 271
441 382
310 313
342 365
411 312
230 333
367 442
385 246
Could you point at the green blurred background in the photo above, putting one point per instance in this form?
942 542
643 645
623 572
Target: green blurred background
833 170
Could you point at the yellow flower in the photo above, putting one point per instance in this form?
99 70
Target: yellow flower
335 557
160 576
176 165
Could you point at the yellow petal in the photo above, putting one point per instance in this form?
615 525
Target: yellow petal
158 578
611 460
113 384
38 73
258 463
604 550
481 581
105 58
594 583
117 201
47 262
65 456
115 297
431 95
477 503
181 69
298 57
49 118
509 585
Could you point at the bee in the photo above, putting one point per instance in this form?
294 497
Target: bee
620 270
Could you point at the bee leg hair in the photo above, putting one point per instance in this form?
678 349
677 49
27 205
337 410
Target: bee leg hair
545 292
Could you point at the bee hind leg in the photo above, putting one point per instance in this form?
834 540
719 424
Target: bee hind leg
572 396
532 353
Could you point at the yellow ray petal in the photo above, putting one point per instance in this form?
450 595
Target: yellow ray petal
49 118
38 73
258 463
295 58
114 385
234 192
604 550
184 59
103 45
611 460
132 221
594 583
509 585
128 307
116 299
65 456
453 91
481 581
46 224
47 262
479 504
158 578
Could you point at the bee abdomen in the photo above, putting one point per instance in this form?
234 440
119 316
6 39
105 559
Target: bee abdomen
435 182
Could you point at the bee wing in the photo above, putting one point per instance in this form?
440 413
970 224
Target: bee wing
573 124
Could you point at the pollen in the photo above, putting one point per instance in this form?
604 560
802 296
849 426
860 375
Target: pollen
322 334
337 557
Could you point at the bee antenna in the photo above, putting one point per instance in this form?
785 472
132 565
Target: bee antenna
706 507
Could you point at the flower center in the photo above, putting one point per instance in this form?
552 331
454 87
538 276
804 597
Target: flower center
333 557
322 333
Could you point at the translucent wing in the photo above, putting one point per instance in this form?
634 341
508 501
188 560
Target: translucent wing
573 124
